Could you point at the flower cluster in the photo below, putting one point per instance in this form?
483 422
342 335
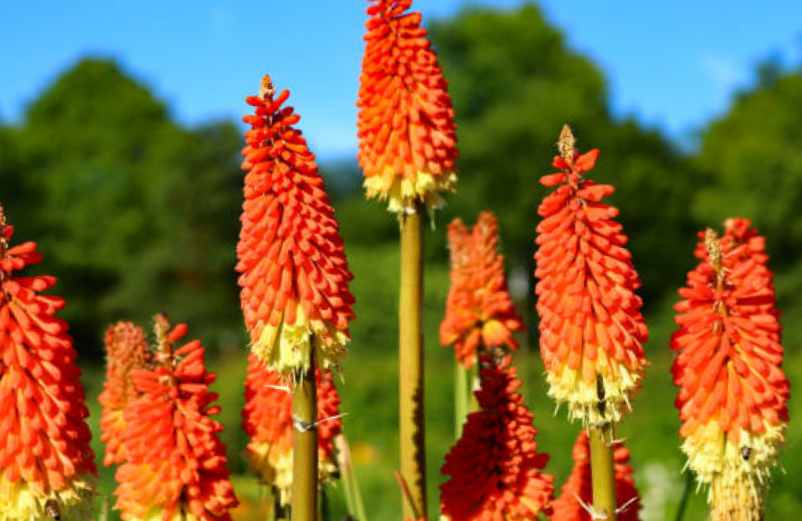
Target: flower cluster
577 492
495 470
591 328
479 310
126 349
294 274
175 463
45 458
733 393
267 419
407 136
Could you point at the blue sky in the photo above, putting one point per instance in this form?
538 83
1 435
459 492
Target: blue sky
672 64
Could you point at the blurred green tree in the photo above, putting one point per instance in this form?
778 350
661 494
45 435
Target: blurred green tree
135 213
514 82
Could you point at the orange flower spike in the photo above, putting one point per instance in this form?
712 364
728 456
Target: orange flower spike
495 470
733 393
407 136
579 486
591 328
46 463
126 349
176 464
479 310
267 419
293 271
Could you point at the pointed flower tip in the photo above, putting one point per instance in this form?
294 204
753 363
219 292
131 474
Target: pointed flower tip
480 313
578 488
592 331
733 392
126 350
291 259
267 419
406 130
494 470
175 462
40 382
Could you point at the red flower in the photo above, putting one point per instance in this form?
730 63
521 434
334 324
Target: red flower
580 487
407 136
294 274
267 419
733 393
495 470
45 457
175 460
591 329
479 310
126 349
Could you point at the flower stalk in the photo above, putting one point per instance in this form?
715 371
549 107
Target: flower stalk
304 446
602 471
411 362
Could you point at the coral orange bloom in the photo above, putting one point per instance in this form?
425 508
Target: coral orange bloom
294 274
733 393
45 458
267 419
591 328
479 310
126 349
176 464
407 136
577 492
495 470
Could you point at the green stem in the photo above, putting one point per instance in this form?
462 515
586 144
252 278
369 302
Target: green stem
686 494
602 471
353 496
464 399
411 389
304 446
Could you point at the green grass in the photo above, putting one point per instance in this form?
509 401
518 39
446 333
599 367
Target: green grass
369 392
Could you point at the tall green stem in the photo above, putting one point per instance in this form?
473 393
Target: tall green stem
464 399
411 421
304 446
602 471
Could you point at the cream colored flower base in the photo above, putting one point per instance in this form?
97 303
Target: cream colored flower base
275 468
286 348
403 194
20 501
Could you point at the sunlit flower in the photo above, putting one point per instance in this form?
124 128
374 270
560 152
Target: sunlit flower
591 328
479 310
45 458
732 390
294 274
176 465
407 136
495 471
576 494
126 349
267 419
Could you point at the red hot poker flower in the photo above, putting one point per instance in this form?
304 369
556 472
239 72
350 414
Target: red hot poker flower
126 349
733 393
579 486
407 136
267 419
176 463
591 328
294 274
495 470
45 457
479 310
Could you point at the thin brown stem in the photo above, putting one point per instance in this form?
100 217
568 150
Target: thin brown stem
411 424
304 446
